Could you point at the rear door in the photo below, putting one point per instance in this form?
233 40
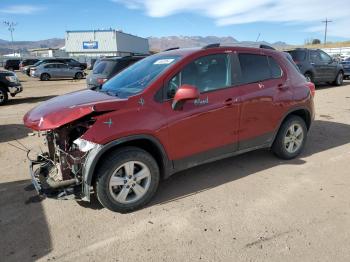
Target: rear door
262 96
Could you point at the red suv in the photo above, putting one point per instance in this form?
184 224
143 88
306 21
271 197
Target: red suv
166 113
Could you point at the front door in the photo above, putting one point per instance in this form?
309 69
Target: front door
205 128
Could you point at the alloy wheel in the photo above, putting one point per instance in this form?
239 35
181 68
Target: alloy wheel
294 138
130 182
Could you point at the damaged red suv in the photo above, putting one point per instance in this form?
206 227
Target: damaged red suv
166 113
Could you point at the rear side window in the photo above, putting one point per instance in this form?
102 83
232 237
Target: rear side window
298 55
254 68
50 66
104 67
276 71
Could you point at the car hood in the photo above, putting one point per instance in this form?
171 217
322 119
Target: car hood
64 109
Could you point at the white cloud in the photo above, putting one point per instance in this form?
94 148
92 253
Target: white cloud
21 9
229 12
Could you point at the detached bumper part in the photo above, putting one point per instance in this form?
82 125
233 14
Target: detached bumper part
47 187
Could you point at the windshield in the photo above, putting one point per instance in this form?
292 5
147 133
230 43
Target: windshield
137 77
38 63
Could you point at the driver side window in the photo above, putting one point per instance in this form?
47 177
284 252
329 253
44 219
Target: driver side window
207 73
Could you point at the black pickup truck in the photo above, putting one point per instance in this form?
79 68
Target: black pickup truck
9 84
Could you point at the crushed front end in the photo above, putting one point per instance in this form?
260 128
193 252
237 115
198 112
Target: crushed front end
58 172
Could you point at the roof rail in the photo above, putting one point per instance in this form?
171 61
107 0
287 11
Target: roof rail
211 46
171 48
267 47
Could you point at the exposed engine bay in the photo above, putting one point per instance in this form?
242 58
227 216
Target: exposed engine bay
58 172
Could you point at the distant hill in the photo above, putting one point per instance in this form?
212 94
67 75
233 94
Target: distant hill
23 46
162 43
156 43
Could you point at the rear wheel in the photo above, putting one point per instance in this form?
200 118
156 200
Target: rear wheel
45 77
339 79
78 75
291 138
127 179
3 95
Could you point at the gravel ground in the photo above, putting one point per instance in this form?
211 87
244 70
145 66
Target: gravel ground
253 207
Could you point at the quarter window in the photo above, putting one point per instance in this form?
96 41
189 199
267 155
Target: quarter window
254 68
276 71
207 73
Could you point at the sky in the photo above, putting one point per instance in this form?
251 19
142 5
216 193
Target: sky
290 21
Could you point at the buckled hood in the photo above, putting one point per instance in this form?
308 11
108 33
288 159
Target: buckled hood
64 109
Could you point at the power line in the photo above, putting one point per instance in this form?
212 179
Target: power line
325 29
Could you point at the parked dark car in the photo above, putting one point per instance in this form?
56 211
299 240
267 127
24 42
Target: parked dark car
12 64
346 66
26 63
69 61
9 84
166 113
317 66
106 68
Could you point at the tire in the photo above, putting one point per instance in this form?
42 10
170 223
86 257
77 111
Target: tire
45 77
78 75
288 145
309 77
3 96
121 197
339 79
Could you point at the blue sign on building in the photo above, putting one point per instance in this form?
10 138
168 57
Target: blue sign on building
90 45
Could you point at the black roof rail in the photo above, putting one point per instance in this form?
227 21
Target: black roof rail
267 47
211 46
171 48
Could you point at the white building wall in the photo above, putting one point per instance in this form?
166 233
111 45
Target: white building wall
104 42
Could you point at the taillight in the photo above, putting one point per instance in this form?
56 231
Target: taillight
312 88
101 80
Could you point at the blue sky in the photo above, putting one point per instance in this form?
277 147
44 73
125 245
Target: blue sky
291 21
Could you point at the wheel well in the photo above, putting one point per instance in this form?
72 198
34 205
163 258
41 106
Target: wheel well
142 143
304 114
45 74
308 72
4 86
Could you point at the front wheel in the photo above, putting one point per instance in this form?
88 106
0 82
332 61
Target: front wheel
291 138
127 179
3 96
309 77
45 77
78 76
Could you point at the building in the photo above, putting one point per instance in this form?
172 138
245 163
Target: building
95 43
47 52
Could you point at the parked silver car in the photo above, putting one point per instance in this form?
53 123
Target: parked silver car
57 70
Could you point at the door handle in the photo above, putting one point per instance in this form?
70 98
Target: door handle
228 102
282 87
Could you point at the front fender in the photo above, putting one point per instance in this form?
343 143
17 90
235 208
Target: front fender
96 153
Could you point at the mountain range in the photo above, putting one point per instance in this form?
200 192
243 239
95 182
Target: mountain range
156 43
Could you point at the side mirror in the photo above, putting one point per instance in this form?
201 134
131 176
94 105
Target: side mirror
184 93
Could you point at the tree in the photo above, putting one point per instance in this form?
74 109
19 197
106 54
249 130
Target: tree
316 41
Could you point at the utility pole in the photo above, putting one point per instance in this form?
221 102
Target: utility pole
11 28
325 29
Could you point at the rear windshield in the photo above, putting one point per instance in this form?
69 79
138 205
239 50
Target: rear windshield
298 55
104 67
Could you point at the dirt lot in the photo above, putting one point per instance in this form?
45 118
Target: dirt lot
254 207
